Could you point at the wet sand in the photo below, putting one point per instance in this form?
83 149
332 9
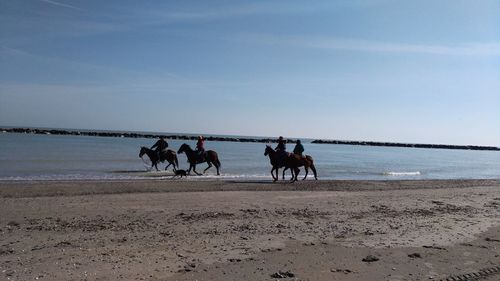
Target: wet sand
223 230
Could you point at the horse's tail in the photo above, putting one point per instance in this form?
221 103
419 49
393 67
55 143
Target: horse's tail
313 168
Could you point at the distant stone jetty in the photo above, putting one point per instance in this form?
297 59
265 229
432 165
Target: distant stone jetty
130 135
231 139
393 144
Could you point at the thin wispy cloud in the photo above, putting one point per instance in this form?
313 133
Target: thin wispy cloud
37 59
465 49
62 5
361 45
164 15
116 79
262 8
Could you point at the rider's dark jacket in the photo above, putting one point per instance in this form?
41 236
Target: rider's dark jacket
299 149
281 145
160 145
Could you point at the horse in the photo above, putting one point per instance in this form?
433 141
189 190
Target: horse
292 162
299 161
274 158
210 157
168 155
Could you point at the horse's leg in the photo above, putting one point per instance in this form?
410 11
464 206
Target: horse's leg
209 166
307 171
313 168
293 174
283 176
297 171
272 174
217 166
194 170
189 171
170 161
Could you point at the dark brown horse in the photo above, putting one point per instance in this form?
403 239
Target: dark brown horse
277 162
290 161
168 155
210 157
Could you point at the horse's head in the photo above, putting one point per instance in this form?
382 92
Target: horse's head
268 150
142 152
183 148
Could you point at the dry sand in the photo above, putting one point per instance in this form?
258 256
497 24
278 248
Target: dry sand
222 230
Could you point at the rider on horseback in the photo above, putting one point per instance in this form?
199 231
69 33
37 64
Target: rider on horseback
200 148
160 146
299 149
281 144
281 149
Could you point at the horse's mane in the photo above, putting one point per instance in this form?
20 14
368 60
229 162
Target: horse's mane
186 145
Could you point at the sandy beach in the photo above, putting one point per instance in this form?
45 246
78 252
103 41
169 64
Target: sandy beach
228 230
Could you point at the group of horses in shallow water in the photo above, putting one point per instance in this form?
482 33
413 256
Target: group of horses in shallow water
170 156
278 160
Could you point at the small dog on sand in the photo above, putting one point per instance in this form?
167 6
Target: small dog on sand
181 173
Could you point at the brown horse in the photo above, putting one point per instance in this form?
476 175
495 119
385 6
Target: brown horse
295 160
291 161
168 155
210 157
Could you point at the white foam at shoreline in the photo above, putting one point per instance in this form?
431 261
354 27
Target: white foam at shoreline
417 173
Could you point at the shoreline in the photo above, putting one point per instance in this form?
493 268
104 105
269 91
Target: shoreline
218 230
19 189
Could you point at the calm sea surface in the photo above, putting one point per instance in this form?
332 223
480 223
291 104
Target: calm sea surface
49 157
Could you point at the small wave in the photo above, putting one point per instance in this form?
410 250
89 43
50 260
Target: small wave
67 177
417 173
129 175
229 176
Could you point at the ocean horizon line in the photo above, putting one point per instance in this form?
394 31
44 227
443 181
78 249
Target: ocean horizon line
228 138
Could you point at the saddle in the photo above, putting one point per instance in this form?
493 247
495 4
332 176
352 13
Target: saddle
200 158
163 155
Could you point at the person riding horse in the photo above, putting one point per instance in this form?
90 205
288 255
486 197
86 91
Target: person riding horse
160 147
299 149
200 148
281 144
281 150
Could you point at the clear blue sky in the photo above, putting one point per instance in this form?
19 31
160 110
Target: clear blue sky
387 70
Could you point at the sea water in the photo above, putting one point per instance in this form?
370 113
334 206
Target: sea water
54 157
